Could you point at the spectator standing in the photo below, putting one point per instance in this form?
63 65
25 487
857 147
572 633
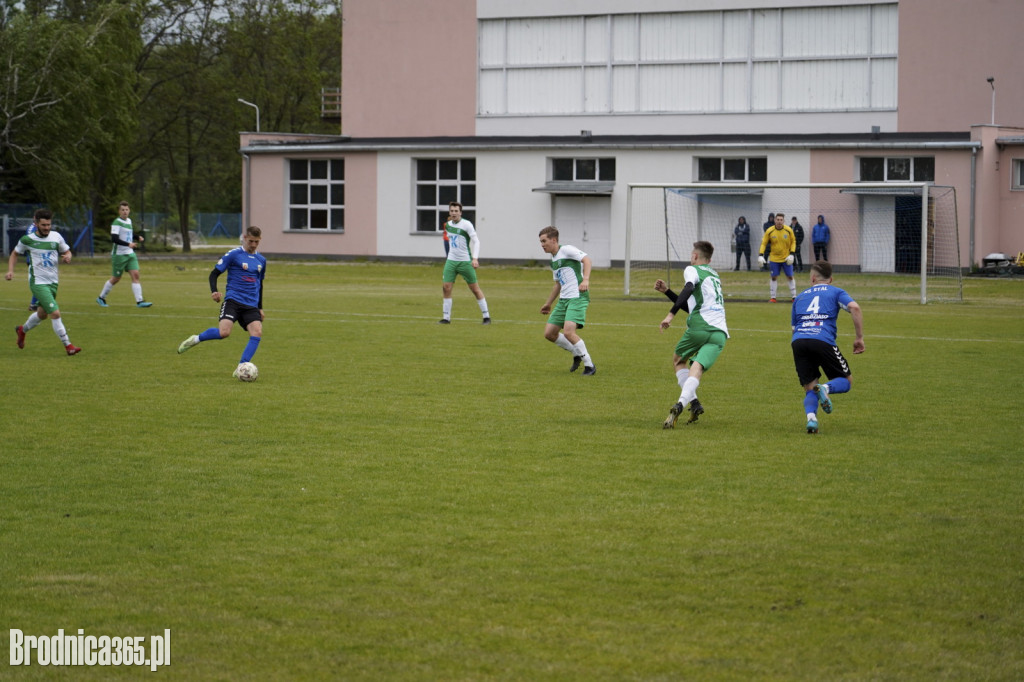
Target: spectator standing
768 224
741 237
821 235
798 230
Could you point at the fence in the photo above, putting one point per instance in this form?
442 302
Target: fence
77 229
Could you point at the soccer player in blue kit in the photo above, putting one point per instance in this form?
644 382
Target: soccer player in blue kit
815 312
243 298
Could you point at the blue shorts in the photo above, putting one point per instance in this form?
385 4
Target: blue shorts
773 269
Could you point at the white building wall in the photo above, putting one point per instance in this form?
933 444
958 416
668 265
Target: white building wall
509 213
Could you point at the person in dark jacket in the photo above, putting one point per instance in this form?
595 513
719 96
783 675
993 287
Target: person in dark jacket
798 230
741 237
769 224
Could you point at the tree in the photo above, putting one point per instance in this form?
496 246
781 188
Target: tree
282 54
181 105
99 97
66 101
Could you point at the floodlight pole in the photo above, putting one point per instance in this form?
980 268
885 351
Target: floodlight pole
257 112
992 82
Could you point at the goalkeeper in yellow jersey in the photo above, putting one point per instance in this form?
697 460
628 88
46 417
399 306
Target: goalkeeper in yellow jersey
778 246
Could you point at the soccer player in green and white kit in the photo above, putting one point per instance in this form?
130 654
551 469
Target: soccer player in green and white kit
463 250
571 271
46 249
122 257
706 331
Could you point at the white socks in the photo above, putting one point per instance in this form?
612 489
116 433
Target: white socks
773 288
688 384
563 342
446 309
482 302
58 329
580 349
792 288
136 290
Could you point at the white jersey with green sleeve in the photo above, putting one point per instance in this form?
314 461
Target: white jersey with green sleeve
44 255
706 306
567 266
122 229
463 244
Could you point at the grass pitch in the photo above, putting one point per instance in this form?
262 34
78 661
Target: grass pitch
397 499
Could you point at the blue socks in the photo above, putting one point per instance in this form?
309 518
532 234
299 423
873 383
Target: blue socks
840 385
250 348
213 334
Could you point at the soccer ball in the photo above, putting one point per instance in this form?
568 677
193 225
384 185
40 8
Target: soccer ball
247 372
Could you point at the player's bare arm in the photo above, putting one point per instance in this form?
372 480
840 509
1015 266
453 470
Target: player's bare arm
585 284
858 327
10 265
552 297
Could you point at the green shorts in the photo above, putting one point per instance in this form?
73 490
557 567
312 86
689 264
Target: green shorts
459 267
46 296
701 346
570 310
118 264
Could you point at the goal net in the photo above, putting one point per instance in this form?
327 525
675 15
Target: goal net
886 241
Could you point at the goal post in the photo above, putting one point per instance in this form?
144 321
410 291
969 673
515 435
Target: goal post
900 240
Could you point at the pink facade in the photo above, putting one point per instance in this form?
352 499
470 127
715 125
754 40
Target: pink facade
948 48
266 192
999 216
409 68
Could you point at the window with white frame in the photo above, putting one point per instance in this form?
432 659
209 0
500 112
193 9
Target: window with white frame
792 59
583 170
717 169
439 182
316 195
1018 174
897 169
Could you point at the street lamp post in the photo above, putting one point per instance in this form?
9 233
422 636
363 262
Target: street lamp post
992 81
257 112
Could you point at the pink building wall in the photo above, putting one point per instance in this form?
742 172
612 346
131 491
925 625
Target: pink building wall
952 168
264 205
1000 209
431 92
948 48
